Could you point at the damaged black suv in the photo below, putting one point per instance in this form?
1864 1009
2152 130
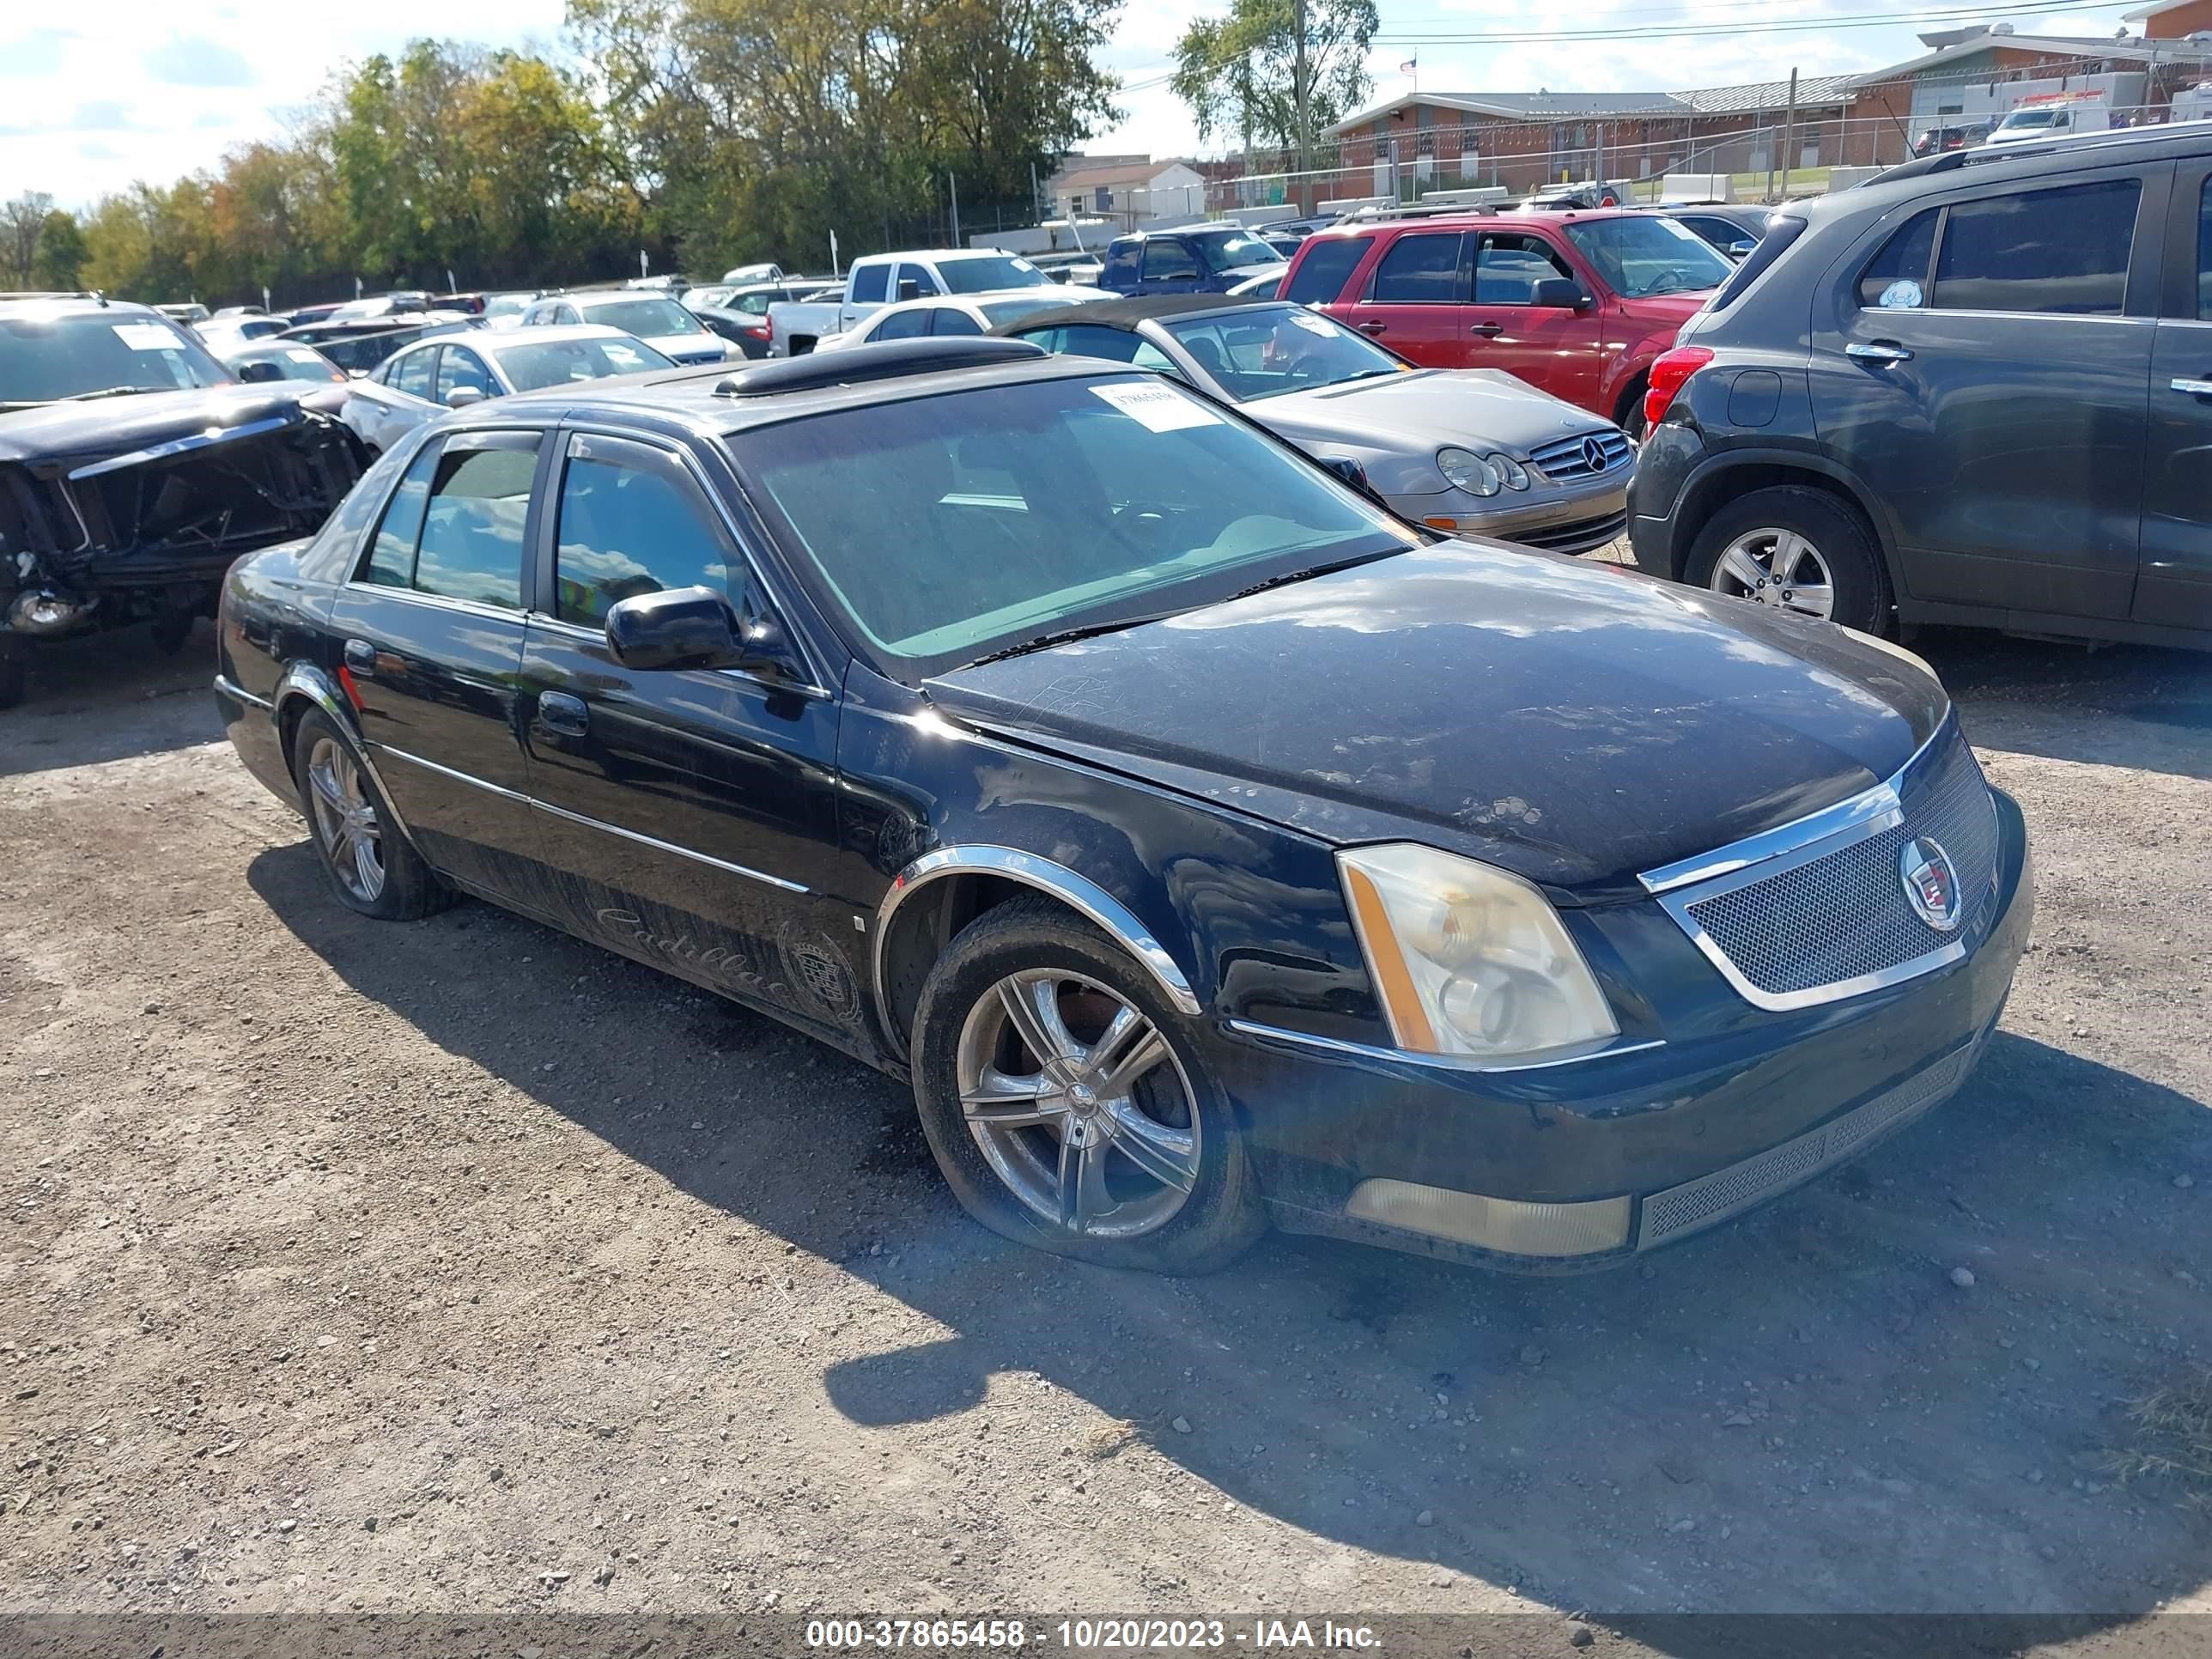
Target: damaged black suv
134 469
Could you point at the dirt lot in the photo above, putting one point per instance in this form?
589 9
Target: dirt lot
462 1266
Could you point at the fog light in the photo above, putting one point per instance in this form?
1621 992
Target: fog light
1504 1224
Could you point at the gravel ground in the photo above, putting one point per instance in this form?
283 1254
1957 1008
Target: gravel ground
459 1267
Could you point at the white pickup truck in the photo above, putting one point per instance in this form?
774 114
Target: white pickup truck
796 326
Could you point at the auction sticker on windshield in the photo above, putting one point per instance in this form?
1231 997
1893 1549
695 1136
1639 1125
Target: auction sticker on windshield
1159 408
145 336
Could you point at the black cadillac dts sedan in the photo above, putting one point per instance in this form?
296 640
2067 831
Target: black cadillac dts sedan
1209 848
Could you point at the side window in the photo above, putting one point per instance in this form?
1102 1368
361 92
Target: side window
1167 259
1120 270
1327 266
411 372
753 305
629 524
1509 265
2040 250
472 546
570 315
1149 356
870 283
951 320
1091 340
1897 279
902 325
1420 269
2204 253
462 367
392 551
924 284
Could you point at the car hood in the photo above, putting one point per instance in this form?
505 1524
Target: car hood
114 426
1396 423
1573 723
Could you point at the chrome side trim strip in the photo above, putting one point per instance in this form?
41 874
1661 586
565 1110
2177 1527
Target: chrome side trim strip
231 687
1080 893
1854 814
473 781
670 847
1435 1062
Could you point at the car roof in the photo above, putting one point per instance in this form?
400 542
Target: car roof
1473 219
42 305
512 339
696 397
1208 226
1126 314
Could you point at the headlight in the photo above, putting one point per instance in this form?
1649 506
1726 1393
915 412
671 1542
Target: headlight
1468 960
1468 471
1514 474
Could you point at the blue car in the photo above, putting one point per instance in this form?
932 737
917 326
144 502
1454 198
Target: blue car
1194 259
1206 845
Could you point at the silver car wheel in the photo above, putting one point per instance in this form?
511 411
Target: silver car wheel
1778 568
346 820
1078 1104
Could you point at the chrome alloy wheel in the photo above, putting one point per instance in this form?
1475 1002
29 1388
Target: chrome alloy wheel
346 820
1078 1104
1778 568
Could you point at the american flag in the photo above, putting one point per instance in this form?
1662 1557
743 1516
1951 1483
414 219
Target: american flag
1409 66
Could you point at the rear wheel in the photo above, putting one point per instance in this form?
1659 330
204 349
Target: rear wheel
369 864
1067 1102
1796 549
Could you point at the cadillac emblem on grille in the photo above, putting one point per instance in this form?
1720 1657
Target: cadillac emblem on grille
1931 885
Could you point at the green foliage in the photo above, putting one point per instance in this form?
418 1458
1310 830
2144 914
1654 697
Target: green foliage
1238 72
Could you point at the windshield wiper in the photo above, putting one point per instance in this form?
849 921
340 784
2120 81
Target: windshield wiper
1045 641
106 392
1309 572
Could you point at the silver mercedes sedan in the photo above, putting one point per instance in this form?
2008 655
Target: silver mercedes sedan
1472 450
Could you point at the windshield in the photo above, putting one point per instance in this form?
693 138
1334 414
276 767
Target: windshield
2029 120
995 270
505 305
1230 249
995 516
1001 311
642 318
1641 256
1262 351
42 359
557 362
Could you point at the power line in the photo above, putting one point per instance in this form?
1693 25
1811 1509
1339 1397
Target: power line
1780 26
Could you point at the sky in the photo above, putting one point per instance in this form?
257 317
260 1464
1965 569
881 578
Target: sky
130 90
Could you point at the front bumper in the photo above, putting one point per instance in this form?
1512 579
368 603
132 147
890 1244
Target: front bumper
1689 1132
1561 519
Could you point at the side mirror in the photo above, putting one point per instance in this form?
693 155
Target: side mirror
909 289
692 628
462 396
1742 249
1557 293
260 373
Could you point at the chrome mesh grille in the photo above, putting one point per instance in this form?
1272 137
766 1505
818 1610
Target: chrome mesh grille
1710 1200
1564 458
1844 917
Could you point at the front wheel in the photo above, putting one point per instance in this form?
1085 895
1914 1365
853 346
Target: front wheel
1067 1104
1796 549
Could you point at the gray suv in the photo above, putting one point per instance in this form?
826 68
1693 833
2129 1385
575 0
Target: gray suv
1977 390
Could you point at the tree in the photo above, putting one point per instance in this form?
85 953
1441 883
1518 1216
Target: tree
1280 70
61 253
22 224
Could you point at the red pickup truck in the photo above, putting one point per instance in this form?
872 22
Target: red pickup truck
1576 303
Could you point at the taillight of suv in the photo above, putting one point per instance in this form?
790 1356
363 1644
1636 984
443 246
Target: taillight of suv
1669 369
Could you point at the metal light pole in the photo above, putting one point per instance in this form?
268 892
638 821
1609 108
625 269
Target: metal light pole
1788 131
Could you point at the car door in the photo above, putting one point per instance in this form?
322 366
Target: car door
690 816
1415 299
461 368
1554 347
410 375
900 325
1981 365
915 282
2174 588
431 626
866 286
1170 266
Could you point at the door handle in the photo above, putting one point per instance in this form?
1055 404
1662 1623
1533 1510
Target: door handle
1878 351
1375 328
2194 388
1488 331
559 712
360 657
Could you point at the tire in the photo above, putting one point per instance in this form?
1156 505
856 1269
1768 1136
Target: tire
1631 411
1011 1176
1746 538
15 674
334 785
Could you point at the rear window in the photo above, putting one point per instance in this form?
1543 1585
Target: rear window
1327 266
871 283
1780 232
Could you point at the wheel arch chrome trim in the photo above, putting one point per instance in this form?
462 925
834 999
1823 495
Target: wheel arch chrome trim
1079 892
305 680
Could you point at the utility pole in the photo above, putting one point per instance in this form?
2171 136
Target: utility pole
1300 94
1788 131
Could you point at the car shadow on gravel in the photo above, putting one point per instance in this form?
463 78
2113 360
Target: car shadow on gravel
1633 1441
2133 706
108 696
